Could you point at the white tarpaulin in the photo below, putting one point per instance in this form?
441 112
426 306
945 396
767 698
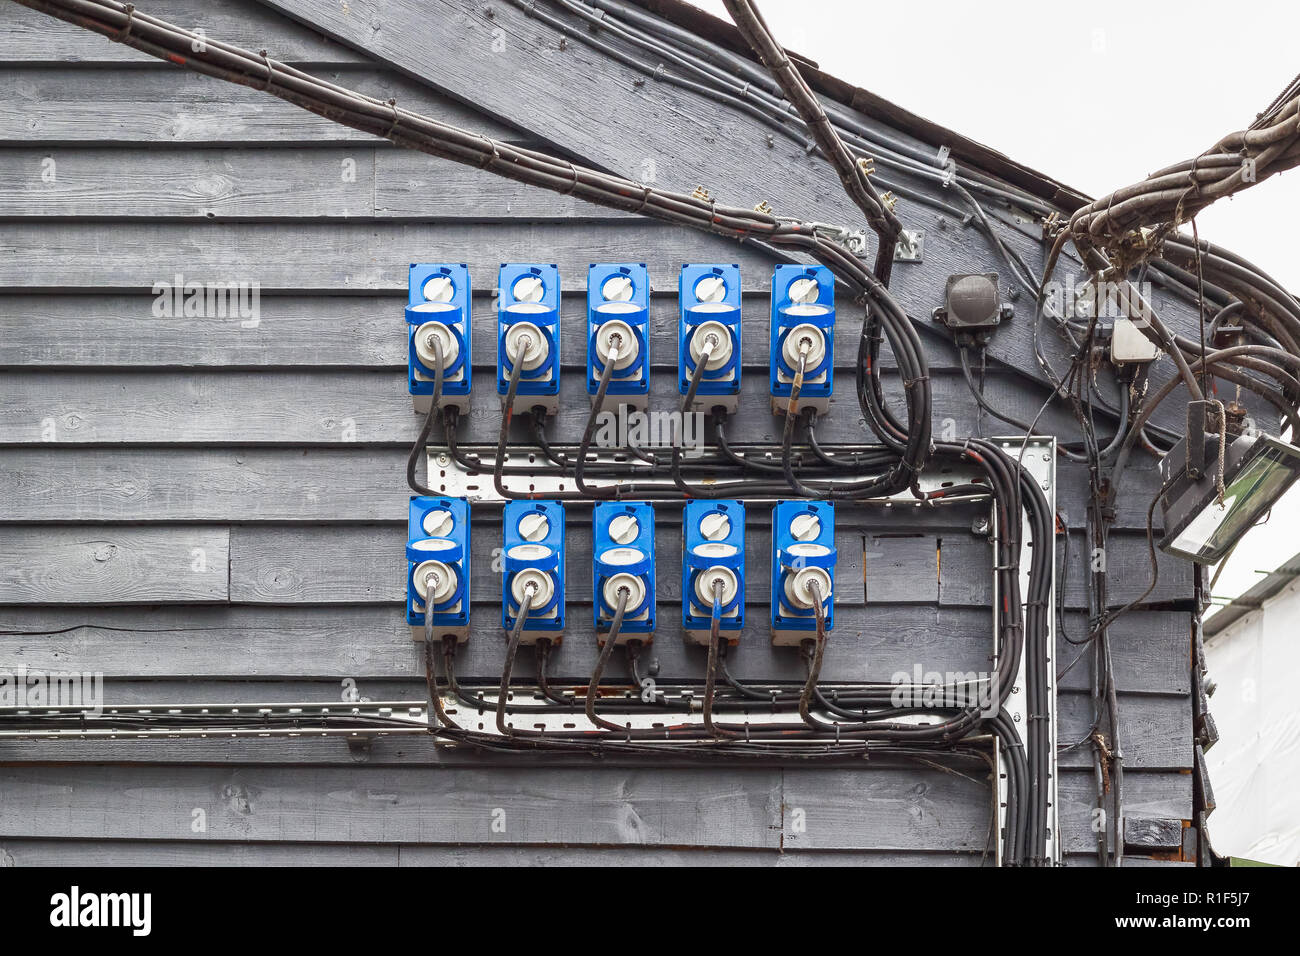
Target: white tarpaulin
1255 766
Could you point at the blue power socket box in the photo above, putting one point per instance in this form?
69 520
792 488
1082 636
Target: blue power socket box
534 560
439 310
803 553
618 317
713 555
528 325
437 558
802 322
709 299
623 534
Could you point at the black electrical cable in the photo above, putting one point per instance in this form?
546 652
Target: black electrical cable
512 648
602 661
422 440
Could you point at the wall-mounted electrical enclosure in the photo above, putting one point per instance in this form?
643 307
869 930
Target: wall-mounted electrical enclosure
972 307
1257 471
803 553
709 299
713 556
1128 345
437 558
439 310
533 560
802 324
623 533
528 327
618 324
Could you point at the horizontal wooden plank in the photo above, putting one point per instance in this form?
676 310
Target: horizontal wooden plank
883 809
671 808
1150 651
154 103
199 183
27 36
330 331
1128 567
123 565
366 643
925 807
38 852
1155 730
305 407
357 181
373 643
919 808
338 257
222 484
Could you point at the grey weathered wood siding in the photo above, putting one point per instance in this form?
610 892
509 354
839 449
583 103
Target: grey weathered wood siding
207 511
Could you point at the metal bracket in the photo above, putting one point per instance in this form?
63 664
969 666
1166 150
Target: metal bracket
910 246
449 478
1039 460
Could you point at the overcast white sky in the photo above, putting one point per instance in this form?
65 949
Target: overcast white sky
1095 95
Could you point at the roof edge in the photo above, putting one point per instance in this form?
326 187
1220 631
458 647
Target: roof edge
985 158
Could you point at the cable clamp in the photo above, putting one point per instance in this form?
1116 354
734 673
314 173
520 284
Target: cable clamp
496 153
130 22
392 105
573 185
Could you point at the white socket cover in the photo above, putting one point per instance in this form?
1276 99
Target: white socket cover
816 346
438 523
540 580
705 580
804 291
617 288
446 338
528 289
710 289
617 331
534 526
438 288
635 588
797 586
624 528
440 576
721 352
715 526
537 349
805 527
